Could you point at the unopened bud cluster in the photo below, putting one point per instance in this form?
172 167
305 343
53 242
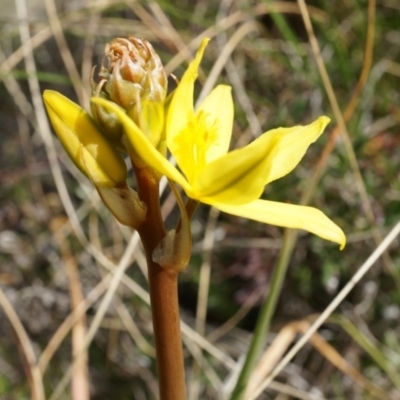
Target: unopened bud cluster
134 73
133 77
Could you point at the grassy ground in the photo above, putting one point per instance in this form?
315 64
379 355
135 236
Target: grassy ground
56 235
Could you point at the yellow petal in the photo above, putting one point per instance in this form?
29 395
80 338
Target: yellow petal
290 146
288 216
142 145
181 108
239 176
92 169
218 107
83 141
150 118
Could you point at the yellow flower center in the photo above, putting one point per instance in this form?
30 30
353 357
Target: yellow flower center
193 143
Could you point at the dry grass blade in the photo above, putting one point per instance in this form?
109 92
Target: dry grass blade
215 72
133 330
294 392
80 388
70 321
69 62
350 108
34 373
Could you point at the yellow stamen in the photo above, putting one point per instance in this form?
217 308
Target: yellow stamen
194 141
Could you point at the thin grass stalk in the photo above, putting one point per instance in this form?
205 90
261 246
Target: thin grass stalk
80 388
76 314
283 27
369 347
266 313
35 377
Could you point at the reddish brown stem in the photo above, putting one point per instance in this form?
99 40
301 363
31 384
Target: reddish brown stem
163 287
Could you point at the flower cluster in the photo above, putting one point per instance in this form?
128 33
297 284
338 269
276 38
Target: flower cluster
130 114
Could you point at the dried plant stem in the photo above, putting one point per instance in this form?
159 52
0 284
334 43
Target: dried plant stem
80 388
35 376
163 295
76 315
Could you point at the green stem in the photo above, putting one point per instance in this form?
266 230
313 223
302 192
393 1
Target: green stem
266 313
283 27
163 288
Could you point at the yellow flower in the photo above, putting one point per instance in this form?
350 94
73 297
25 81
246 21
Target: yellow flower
230 181
96 157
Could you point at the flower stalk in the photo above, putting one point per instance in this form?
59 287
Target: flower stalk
163 287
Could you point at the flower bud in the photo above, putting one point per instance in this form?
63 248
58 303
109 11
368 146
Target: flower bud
149 117
134 73
91 152
108 121
96 157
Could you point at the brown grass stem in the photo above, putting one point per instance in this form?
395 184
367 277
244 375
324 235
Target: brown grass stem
35 377
80 387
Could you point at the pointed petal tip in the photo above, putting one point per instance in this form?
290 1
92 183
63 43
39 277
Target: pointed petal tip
199 55
60 105
330 231
47 94
204 43
335 235
50 96
324 121
342 242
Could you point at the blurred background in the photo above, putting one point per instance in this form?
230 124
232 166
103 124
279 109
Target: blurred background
59 245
